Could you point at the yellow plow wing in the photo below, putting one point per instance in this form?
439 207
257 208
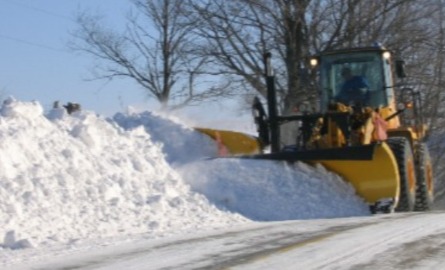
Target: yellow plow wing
234 142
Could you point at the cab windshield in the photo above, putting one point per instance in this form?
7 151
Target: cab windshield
353 79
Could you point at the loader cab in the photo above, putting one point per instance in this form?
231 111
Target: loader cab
369 82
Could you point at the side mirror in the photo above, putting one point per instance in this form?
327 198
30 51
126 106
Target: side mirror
400 68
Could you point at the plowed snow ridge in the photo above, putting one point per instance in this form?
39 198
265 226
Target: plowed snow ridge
65 178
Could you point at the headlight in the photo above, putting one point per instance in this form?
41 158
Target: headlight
313 62
386 55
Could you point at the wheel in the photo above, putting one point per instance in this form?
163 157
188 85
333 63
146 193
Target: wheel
425 179
406 165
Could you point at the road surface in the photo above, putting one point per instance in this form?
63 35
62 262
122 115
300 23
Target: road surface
394 241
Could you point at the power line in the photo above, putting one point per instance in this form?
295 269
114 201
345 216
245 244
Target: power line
32 43
21 4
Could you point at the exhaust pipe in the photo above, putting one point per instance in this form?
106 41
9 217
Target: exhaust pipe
274 126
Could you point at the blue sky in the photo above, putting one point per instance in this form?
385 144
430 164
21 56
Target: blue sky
36 63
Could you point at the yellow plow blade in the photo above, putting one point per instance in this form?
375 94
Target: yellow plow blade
372 170
374 179
234 142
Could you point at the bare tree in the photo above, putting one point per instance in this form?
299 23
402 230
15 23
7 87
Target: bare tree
427 66
352 23
154 51
240 32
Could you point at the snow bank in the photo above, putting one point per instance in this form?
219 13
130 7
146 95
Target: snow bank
69 177
258 189
180 143
65 178
267 190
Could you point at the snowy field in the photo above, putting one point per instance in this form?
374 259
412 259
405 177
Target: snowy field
86 180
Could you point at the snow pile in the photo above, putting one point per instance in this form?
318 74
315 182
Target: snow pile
69 177
65 178
180 143
258 189
266 190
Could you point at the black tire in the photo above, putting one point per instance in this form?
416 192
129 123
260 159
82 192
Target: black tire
403 153
425 179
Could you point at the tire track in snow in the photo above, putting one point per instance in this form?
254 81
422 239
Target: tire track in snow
285 239
237 247
360 246
333 245
417 254
386 239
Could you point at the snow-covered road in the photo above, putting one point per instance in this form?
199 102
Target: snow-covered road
396 241
408 241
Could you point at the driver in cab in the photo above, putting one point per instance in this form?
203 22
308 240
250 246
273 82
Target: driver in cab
354 89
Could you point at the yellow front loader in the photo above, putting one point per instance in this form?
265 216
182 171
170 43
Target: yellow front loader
361 132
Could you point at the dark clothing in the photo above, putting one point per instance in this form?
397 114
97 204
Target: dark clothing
355 89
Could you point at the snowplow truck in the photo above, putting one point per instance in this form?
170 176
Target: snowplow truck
367 129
